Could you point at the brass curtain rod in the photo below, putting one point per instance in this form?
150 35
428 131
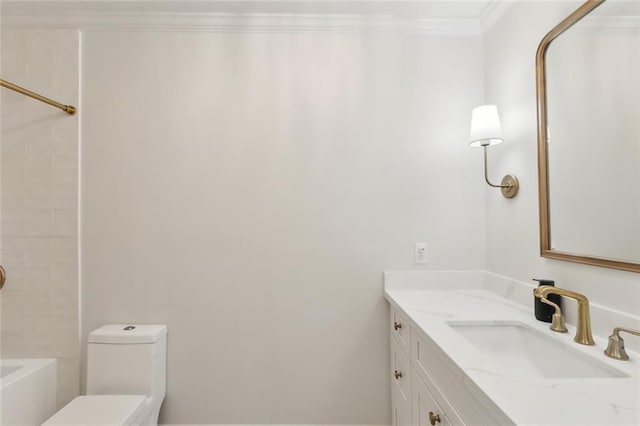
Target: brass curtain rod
66 108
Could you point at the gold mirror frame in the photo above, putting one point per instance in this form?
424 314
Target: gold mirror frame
543 164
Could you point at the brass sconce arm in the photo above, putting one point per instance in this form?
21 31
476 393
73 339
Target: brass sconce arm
509 184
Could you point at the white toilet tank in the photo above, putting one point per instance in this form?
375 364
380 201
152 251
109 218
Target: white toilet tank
128 360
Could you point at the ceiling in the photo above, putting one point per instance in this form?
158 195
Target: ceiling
417 9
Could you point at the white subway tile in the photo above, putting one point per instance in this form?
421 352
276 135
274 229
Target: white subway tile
65 298
66 162
12 297
37 311
64 311
65 243
10 256
36 350
64 256
64 346
64 323
40 146
64 222
36 336
12 324
13 283
11 338
36 298
56 284
12 351
35 271
39 306
12 311
38 167
13 170
13 148
64 270
12 200
38 256
21 242
64 200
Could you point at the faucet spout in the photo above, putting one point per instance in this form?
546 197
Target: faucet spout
583 329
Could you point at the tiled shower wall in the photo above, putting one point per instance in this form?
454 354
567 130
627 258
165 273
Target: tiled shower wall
39 203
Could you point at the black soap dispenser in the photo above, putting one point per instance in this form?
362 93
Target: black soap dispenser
543 311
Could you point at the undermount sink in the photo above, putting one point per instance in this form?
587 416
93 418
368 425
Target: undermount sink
519 350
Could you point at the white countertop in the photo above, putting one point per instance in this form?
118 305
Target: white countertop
525 400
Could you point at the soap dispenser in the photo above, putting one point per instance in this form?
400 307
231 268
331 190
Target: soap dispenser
543 311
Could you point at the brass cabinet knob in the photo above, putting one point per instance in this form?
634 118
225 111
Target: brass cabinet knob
3 276
397 325
434 418
398 374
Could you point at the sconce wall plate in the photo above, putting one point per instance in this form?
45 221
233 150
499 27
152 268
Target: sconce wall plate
509 186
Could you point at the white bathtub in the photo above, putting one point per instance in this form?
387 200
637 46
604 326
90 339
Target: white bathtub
27 391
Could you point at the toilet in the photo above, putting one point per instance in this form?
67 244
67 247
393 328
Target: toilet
126 378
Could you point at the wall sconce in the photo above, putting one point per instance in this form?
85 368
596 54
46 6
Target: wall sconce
485 131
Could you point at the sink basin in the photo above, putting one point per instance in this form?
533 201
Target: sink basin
522 351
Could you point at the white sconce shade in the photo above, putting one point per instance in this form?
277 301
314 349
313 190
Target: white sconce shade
485 126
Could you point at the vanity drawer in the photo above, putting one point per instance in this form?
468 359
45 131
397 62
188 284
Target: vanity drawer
400 330
427 410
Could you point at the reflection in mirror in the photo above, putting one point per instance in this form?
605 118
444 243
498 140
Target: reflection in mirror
592 137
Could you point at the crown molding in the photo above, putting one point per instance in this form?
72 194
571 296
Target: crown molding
95 17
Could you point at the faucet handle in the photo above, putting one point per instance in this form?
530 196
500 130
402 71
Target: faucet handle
557 319
615 348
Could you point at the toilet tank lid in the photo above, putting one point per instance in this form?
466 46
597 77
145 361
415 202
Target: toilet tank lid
128 334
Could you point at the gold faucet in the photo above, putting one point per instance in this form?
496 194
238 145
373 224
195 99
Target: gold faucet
583 329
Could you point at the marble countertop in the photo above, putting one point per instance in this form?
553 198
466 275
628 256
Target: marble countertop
525 400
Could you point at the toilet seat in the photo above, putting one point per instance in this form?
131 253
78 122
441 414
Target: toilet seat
95 410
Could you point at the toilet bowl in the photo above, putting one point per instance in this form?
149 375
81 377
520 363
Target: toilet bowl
126 378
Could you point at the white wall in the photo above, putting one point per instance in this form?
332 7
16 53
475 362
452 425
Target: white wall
512 227
248 190
39 194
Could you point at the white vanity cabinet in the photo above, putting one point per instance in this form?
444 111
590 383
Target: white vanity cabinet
425 388
400 370
426 410
455 375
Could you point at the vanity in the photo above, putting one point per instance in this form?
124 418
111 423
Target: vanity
466 349
465 346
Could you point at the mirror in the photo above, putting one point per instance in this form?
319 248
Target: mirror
588 93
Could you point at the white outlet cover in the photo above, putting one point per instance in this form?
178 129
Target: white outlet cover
420 253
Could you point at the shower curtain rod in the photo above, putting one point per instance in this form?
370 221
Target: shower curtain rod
66 108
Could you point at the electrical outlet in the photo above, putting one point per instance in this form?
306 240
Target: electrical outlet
420 253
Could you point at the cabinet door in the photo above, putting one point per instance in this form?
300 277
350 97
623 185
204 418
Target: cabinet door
400 386
426 411
400 408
